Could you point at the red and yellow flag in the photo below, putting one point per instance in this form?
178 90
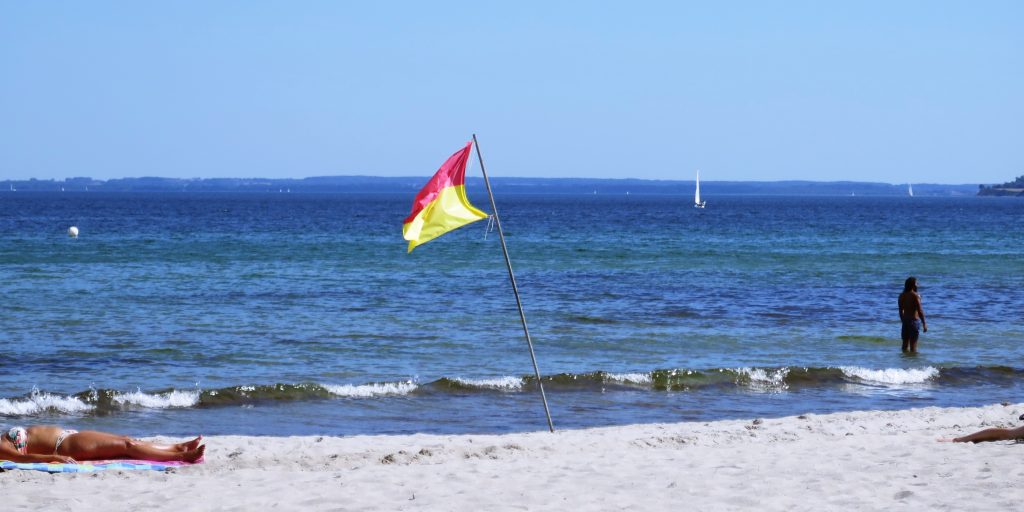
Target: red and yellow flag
442 205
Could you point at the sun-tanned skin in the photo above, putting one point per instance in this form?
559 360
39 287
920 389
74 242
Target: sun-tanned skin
911 310
992 434
93 445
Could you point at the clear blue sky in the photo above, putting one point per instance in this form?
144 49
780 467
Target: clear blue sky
891 91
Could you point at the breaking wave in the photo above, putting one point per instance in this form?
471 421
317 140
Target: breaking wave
166 400
762 379
371 390
892 376
499 383
717 380
630 378
37 402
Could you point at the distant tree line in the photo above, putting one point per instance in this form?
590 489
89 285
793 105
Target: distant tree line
1010 188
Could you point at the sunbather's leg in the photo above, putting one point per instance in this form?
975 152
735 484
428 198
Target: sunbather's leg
93 445
992 434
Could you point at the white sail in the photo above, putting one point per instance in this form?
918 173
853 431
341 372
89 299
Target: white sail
697 203
910 190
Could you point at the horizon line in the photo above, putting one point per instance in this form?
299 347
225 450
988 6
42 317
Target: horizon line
411 177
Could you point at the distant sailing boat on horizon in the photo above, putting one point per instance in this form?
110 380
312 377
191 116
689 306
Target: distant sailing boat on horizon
697 203
910 190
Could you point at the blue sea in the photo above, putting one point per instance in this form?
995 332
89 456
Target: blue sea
296 314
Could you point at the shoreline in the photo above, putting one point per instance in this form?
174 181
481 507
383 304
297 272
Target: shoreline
869 460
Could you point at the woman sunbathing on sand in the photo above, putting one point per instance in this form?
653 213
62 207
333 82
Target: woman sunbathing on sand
48 443
992 434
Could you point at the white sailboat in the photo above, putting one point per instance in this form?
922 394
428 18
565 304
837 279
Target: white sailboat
910 190
697 203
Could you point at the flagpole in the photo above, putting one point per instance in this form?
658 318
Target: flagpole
515 289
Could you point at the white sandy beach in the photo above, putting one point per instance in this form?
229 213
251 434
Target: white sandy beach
845 461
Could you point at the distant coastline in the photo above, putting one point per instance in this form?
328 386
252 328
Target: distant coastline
374 184
1001 191
1010 188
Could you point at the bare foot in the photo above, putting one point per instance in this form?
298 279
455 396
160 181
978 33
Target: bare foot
194 455
189 445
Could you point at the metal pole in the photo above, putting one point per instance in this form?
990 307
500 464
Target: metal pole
515 289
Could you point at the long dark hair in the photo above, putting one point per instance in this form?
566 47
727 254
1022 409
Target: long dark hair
910 285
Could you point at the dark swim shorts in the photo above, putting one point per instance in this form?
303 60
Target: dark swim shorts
911 329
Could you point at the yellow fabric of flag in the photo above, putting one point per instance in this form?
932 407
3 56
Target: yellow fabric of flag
441 205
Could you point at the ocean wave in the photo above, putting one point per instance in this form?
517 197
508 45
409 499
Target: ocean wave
39 402
249 393
371 390
891 376
501 383
713 380
762 379
174 398
631 378
681 380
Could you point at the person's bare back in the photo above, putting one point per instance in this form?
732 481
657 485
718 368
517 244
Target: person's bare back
910 306
911 315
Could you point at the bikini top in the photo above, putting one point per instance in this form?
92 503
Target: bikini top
18 436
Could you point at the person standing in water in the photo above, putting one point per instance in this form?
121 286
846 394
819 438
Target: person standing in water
911 315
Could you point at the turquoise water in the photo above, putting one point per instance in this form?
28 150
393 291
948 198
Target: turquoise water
302 313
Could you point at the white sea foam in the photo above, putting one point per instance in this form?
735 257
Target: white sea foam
765 380
633 378
38 402
891 376
502 383
371 390
167 400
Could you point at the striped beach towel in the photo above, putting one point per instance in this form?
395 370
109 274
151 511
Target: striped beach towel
91 466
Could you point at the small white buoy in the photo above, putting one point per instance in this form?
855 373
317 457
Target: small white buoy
73 232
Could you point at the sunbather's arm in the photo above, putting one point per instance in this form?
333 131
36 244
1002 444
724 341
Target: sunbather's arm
9 453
